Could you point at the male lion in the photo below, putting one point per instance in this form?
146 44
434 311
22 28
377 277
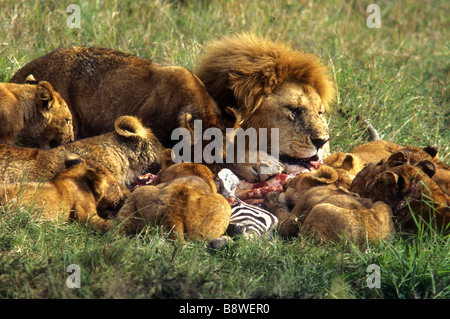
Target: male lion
99 85
314 205
34 111
184 202
271 86
83 192
128 151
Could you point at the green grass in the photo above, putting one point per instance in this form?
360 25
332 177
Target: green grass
397 77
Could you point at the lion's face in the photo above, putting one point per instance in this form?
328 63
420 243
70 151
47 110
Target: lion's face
60 129
297 111
109 194
56 128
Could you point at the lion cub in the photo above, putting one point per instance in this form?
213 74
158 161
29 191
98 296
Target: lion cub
321 208
411 192
34 111
184 202
413 182
126 152
80 193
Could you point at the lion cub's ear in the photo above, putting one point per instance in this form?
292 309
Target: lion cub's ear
98 182
189 122
232 118
31 80
351 163
72 161
397 159
325 175
346 161
130 126
166 158
388 185
427 167
45 96
431 150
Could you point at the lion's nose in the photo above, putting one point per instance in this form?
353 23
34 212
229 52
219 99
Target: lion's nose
319 142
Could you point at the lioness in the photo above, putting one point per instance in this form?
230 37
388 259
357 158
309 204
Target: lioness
314 205
126 152
99 85
34 111
271 86
184 202
79 193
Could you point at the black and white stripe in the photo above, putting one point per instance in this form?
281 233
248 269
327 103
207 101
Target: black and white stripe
250 221
246 220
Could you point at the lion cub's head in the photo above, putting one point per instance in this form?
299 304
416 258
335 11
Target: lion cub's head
363 182
406 182
325 175
347 165
108 193
52 125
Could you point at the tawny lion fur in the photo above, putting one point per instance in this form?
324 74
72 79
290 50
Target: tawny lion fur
271 86
184 202
413 182
83 192
240 70
128 151
36 112
322 209
396 156
375 151
347 165
99 85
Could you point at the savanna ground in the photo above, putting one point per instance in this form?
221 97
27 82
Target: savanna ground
395 76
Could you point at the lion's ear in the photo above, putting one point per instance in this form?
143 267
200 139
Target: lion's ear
45 96
189 122
431 150
388 184
397 159
325 175
31 80
71 161
427 167
98 182
129 126
166 158
349 162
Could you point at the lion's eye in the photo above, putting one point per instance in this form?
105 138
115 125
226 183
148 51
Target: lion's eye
68 121
295 113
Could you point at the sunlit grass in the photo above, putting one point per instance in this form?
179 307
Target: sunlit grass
396 77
